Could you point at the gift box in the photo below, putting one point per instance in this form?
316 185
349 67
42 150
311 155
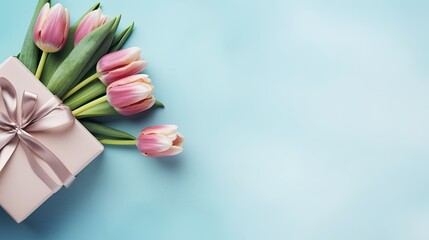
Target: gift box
42 146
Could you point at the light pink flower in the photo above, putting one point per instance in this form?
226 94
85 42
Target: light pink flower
51 28
131 95
120 64
158 141
90 22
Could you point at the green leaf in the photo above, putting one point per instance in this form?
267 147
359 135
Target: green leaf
118 37
121 38
158 104
101 51
102 109
30 53
66 75
55 59
117 43
101 130
86 94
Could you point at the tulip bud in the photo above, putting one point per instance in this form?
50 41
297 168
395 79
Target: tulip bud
120 64
51 28
90 22
131 95
158 141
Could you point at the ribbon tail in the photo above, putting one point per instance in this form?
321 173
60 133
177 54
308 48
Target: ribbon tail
48 157
39 171
8 149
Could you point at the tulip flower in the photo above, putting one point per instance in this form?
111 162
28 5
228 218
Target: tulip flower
114 66
131 95
91 21
155 141
120 64
50 31
51 28
158 141
127 96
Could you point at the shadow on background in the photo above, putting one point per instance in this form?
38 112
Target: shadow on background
173 163
56 214
56 210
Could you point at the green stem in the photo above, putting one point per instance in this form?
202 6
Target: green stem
41 65
90 105
118 142
81 85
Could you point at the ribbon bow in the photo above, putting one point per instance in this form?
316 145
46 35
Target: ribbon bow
51 116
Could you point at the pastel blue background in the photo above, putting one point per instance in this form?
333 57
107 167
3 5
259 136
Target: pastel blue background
304 120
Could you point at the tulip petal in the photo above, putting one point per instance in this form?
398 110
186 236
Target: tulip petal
125 95
161 129
117 59
40 21
144 78
67 26
153 143
125 71
179 140
103 19
170 152
137 107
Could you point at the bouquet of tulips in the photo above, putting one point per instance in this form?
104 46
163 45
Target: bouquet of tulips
84 65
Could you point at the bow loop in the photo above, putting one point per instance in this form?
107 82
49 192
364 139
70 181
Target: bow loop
51 116
28 107
59 117
8 94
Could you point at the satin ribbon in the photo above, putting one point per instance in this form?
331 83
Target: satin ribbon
52 116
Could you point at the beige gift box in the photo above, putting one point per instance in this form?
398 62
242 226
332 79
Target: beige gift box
21 190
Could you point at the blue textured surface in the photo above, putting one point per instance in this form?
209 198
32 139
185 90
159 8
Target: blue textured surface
304 120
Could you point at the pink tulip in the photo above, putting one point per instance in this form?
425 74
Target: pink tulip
120 64
131 95
158 141
51 28
91 21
